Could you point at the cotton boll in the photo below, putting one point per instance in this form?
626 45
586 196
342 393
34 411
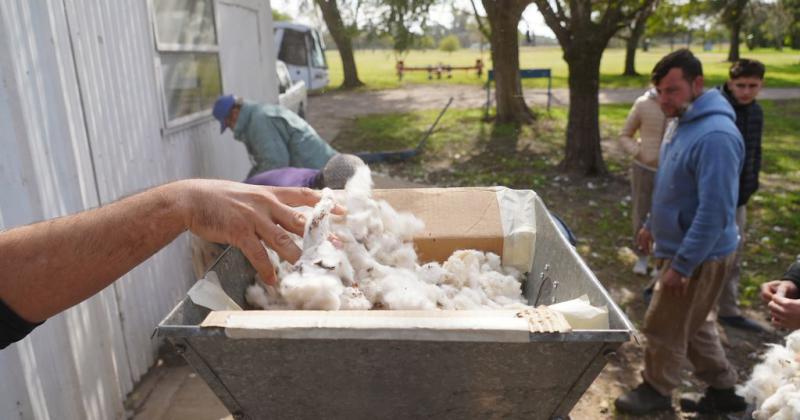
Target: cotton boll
399 293
319 290
264 297
403 226
256 296
793 341
432 273
354 299
768 375
777 406
373 264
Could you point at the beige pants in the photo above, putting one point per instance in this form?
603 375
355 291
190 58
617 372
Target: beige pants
728 299
685 327
642 180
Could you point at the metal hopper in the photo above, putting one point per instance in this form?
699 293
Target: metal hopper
355 369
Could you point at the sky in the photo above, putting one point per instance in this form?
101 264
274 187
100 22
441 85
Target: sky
531 18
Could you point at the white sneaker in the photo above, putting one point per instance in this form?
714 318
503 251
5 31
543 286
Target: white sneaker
640 267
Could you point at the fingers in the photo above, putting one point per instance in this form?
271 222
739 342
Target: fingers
782 290
252 249
289 219
777 306
277 239
296 197
766 292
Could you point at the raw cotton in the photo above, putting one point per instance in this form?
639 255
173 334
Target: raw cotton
366 260
774 387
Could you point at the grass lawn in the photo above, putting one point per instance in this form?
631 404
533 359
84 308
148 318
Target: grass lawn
465 151
377 68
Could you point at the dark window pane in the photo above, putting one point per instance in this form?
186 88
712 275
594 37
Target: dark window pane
317 54
186 22
293 48
191 82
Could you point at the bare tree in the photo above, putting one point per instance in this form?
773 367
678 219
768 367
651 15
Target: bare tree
583 28
342 34
636 29
503 17
733 16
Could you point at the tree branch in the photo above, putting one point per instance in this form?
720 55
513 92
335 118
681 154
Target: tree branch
481 28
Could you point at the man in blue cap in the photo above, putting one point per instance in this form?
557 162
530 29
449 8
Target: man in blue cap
275 137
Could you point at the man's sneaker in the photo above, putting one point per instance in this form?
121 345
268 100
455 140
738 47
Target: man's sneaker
640 267
714 401
740 322
643 399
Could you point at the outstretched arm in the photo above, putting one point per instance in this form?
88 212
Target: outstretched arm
50 266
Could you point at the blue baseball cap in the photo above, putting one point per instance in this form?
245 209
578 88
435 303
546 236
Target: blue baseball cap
222 108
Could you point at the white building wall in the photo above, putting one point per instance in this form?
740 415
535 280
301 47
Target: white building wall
82 122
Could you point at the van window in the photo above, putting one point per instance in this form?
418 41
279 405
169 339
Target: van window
293 48
317 52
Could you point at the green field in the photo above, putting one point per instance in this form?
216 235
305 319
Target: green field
377 68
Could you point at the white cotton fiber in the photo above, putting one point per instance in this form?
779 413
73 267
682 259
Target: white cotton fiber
374 265
774 386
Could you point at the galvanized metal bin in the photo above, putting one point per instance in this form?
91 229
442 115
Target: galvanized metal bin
394 376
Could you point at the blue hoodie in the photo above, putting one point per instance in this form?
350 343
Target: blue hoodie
697 186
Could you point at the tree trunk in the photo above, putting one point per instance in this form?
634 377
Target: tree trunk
733 53
503 20
583 154
333 19
637 31
630 51
735 21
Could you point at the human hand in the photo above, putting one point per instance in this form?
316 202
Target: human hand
785 312
674 283
644 241
244 215
784 288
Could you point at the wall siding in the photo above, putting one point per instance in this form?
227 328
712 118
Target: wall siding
82 115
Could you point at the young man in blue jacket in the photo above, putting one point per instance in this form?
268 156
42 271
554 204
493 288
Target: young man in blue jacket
275 136
746 80
692 224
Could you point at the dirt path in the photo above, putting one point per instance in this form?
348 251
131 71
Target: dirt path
328 112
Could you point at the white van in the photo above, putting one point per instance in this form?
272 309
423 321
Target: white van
302 49
291 93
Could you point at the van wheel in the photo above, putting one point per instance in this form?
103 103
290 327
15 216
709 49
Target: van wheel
301 111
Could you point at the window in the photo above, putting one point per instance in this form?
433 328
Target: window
293 48
317 52
186 40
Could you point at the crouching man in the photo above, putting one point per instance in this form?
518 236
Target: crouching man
693 226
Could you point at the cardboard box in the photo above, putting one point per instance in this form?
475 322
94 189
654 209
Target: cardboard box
489 219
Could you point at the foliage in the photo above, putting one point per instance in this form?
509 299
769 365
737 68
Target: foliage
450 44
278 16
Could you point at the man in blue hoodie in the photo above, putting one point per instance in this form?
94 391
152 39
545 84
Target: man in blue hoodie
692 223
275 136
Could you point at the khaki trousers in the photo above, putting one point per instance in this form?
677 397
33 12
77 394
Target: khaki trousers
729 298
678 328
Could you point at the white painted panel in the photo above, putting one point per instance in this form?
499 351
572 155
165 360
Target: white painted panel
79 102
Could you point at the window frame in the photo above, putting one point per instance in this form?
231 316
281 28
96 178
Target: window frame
198 117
